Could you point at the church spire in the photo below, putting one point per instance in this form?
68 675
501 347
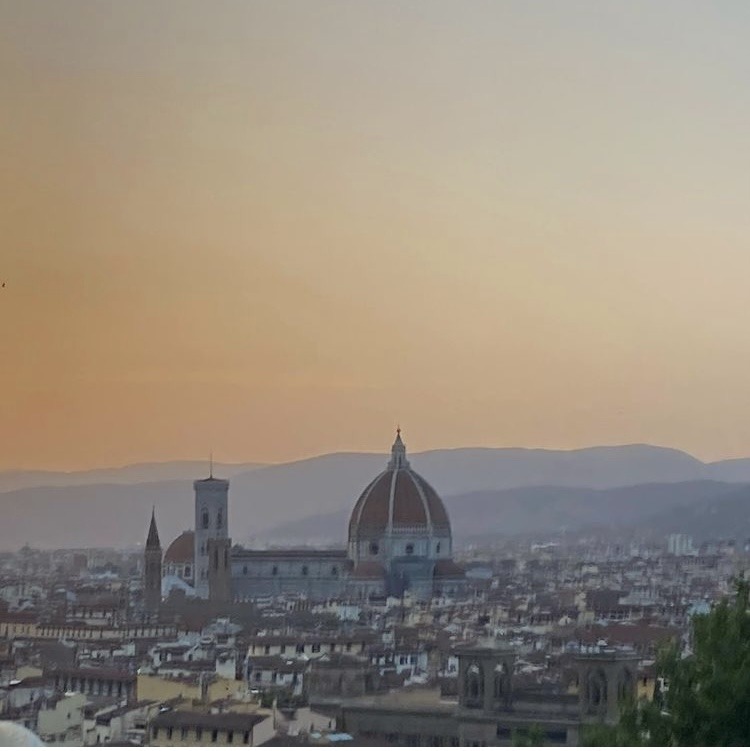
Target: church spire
152 541
398 453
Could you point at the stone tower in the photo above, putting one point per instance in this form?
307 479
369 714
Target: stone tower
211 523
219 571
152 569
605 680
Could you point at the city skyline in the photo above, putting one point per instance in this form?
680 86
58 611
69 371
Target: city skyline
278 230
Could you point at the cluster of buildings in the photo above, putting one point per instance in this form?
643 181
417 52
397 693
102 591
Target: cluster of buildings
397 639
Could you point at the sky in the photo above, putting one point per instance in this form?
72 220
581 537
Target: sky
278 229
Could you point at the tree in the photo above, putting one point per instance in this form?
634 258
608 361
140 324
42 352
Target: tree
534 736
706 701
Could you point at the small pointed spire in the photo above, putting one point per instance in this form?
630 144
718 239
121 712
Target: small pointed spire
152 541
211 465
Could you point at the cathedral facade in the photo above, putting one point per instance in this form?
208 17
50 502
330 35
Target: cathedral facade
399 541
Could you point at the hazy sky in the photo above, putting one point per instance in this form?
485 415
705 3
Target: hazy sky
276 229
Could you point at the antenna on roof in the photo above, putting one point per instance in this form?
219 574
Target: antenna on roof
211 465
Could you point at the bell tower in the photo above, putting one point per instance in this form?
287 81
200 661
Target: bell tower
211 523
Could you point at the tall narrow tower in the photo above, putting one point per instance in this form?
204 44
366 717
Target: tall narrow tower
152 568
211 523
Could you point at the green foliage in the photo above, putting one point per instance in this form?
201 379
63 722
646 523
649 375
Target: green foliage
707 696
534 736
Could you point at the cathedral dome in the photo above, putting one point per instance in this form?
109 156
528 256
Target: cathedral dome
181 550
398 499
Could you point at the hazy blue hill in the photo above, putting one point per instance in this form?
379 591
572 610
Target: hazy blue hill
726 515
94 512
534 510
458 470
730 470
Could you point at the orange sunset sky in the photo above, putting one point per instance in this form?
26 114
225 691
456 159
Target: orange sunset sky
277 229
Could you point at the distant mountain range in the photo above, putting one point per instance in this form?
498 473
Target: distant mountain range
487 492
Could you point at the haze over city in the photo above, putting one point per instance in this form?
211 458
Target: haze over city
276 230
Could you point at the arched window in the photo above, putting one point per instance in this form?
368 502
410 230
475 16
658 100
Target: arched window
187 571
374 548
473 685
304 571
437 549
204 519
410 549
219 519
597 691
244 570
334 571
275 571
500 673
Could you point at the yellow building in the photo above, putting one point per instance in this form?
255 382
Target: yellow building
161 688
201 728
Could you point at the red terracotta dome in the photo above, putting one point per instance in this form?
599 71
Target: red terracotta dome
398 498
181 549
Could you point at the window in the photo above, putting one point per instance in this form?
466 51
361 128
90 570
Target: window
348 646
334 571
219 519
304 571
244 570
214 736
316 647
258 677
155 732
300 649
246 737
267 649
183 734
169 734
198 733
275 570
216 558
374 549
187 571
230 736
204 520
437 549
410 549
